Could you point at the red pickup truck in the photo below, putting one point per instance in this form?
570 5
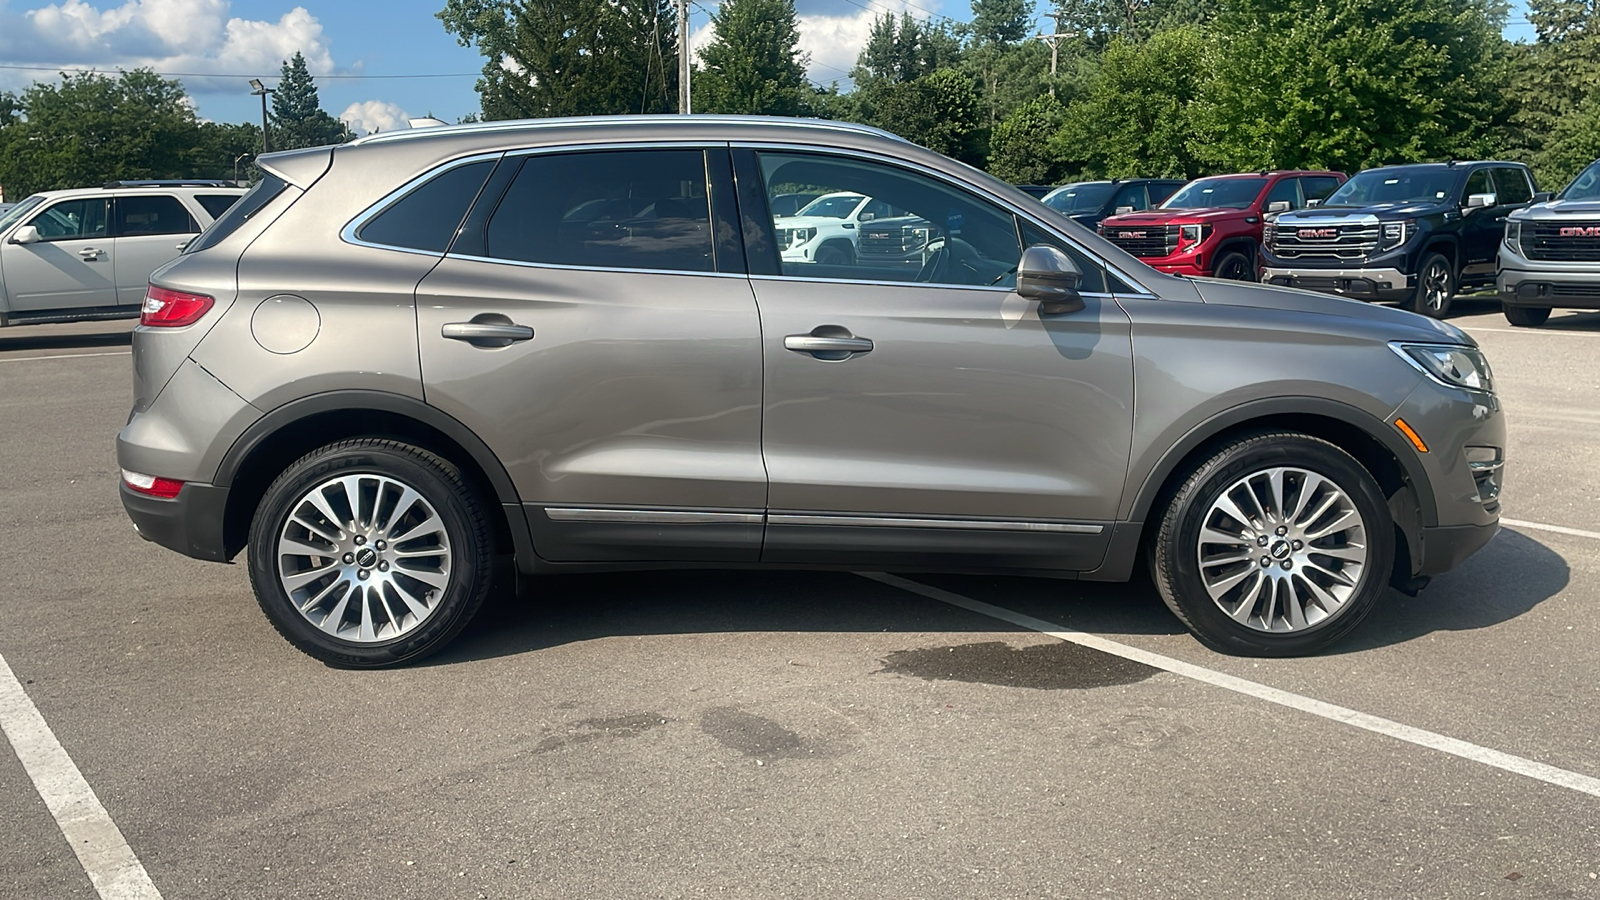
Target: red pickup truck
1212 226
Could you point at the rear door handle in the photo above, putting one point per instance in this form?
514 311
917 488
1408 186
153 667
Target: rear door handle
487 334
828 342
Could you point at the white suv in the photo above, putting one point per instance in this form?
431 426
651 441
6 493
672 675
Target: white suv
87 253
827 231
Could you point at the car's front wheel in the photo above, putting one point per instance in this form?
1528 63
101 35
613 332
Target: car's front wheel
1527 316
1276 545
1436 286
370 553
1235 266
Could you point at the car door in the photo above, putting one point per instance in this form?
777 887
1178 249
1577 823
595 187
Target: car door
594 326
69 267
931 416
150 231
1483 229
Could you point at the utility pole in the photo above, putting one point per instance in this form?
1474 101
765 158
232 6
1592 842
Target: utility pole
684 57
261 90
1054 40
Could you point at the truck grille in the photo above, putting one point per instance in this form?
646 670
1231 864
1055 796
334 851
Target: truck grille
895 243
1144 241
1562 242
1310 241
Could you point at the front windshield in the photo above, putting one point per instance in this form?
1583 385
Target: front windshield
1429 184
834 206
1586 186
19 212
1085 196
1232 193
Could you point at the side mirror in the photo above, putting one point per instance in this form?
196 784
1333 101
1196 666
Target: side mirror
1277 206
1478 201
868 217
1543 197
1049 276
27 234
1313 202
1124 210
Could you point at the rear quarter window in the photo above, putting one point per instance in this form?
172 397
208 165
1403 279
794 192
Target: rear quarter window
428 216
265 191
216 204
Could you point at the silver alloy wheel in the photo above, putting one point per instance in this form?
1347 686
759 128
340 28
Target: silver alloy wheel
1282 550
364 557
1436 285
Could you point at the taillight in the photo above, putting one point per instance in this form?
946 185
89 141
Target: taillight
165 488
165 308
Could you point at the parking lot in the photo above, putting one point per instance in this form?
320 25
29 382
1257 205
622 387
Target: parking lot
802 734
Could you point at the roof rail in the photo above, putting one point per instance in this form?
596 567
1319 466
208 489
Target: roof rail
169 182
615 121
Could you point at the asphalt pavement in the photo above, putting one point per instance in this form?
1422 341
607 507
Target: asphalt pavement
752 734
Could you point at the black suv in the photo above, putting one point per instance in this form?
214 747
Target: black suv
1416 234
1089 202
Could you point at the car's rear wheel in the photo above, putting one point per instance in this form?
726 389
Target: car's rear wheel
1234 266
370 553
1277 545
835 255
1527 316
1436 286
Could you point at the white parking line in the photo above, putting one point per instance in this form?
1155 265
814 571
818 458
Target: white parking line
1537 332
1583 784
1558 529
63 356
105 856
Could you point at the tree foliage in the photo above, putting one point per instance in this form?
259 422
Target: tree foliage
298 119
939 111
1018 146
1001 21
1556 83
753 64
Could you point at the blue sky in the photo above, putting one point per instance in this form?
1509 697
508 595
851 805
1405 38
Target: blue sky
219 44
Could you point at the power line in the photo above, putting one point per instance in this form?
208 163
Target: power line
238 75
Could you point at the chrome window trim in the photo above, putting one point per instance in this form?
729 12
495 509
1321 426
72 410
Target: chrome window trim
945 524
945 178
467 257
650 516
536 125
348 232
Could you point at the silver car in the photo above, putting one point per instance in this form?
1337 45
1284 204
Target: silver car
576 344
1550 257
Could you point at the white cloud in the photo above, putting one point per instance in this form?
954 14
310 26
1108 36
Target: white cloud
374 115
166 35
832 42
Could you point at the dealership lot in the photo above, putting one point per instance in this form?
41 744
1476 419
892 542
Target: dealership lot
749 734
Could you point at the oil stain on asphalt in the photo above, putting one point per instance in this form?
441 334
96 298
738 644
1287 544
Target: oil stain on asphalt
1055 666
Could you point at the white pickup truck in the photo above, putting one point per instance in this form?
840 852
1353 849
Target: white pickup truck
827 231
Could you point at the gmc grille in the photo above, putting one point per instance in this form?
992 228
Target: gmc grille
1562 242
897 243
1144 241
1310 241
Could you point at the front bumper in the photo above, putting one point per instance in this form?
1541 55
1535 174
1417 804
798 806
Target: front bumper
1444 548
1359 283
190 523
1191 268
1554 288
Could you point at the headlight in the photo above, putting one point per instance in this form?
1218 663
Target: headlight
1192 234
1450 364
1514 234
801 235
1396 233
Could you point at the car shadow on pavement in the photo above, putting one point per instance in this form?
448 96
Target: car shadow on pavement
121 336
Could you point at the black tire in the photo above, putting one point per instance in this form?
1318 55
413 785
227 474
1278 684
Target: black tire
1428 300
467 558
1526 316
1176 561
1234 266
835 254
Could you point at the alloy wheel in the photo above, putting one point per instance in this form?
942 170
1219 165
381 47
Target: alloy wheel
1436 285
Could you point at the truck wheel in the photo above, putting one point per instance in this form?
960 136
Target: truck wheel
1436 286
1526 316
370 553
834 255
1277 545
1234 266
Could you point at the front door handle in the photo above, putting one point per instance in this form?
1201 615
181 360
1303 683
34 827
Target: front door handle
89 253
487 333
830 342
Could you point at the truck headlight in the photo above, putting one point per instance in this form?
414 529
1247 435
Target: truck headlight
1396 233
1192 234
1450 364
1514 234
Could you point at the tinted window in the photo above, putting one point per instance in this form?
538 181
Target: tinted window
71 219
1160 191
1085 196
428 216
1477 183
1431 184
1318 187
264 192
1286 190
936 234
1234 193
1512 186
152 214
1130 195
622 209
217 204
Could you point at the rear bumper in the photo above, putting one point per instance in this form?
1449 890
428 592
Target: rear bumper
1358 283
1445 547
190 523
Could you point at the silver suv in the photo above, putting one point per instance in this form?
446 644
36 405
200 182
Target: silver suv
87 253
576 343
1551 254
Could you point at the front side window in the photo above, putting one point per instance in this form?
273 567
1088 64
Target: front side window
1207 193
72 219
153 214
1130 195
610 209
1511 186
833 206
1287 190
1318 187
1477 183
937 234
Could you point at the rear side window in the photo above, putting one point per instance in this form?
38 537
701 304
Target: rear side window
265 191
609 209
152 214
427 218
216 204
1512 186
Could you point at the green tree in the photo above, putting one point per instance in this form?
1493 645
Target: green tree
298 119
1354 83
905 49
1019 148
1140 115
753 64
570 57
1554 81
1001 21
939 111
